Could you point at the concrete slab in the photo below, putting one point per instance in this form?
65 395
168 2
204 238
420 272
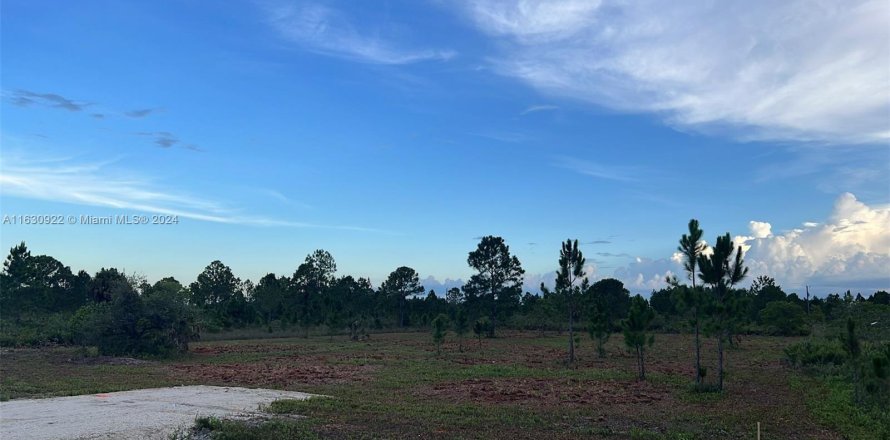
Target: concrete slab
139 414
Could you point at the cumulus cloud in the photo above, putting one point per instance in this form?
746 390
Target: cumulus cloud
851 249
323 30
432 283
644 274
532 282
793 70
760 229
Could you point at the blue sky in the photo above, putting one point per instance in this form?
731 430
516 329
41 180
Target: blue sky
397 133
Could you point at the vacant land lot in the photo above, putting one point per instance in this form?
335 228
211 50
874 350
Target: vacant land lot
515 386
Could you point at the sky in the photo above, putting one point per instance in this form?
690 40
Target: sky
398 133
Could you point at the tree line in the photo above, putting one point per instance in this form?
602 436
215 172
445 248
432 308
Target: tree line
44 301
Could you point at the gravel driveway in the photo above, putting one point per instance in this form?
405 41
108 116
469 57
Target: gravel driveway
139 414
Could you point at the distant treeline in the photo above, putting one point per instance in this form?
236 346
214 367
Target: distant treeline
43 302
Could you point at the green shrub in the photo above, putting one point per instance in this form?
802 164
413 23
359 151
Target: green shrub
440 328
816 353
784 318
36 330
483 327
158 325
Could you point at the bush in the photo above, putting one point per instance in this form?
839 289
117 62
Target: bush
784 318
158 325
813 353
36 330
440 327
483 327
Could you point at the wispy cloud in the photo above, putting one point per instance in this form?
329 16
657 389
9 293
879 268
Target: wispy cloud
326 31
860 169
539 108
163 139
510 137
613 255
102 184
277 195
788 71
141 113
25 98
618 173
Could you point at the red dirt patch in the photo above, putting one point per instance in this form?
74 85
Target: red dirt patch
279 373
235 348
546 392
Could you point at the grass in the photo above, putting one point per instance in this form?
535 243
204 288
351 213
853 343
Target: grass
831 401
62 372
224 429
514 386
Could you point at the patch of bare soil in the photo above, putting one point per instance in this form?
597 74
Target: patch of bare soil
235 348
108 360
277 373
548 392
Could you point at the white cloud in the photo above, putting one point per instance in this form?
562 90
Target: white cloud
534 20
849 250
326 31
532 282
794 70
852 247
644 274
677 257
539 108
621 173
101 184
431 283
760 229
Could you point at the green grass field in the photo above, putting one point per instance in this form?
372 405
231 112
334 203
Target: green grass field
514 386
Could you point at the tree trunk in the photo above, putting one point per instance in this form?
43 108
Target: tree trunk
640 363
720 360
401 312
697 350
571 337
494 313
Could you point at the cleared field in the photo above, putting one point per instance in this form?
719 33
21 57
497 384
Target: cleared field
515 386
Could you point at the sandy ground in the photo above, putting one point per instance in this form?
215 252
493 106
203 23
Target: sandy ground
140 414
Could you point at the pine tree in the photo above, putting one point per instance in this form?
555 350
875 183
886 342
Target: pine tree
461 325
440 328
571 271
498 275
692 247
635 328
722 271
